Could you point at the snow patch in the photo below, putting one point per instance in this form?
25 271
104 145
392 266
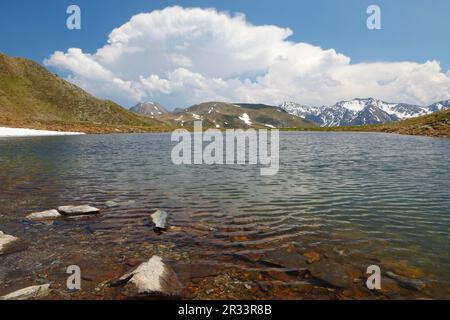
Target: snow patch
19 132
246 119
196 116
354 105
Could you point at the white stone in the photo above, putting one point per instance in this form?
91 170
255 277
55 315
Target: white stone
153 276
49 214
77 210
6 240
34 292
159 219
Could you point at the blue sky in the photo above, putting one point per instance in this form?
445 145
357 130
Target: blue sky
413 30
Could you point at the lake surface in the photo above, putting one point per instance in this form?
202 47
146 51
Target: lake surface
353 199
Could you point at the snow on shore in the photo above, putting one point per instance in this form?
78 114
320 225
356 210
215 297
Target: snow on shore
19 132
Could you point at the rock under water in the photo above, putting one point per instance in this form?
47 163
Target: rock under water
412 284
111 204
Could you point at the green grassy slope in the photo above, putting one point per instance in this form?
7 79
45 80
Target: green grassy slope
32 96
435 124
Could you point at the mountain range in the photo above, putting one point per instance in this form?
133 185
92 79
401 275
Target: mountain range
32 97
358 112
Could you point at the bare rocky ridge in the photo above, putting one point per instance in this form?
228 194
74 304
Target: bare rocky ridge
150 109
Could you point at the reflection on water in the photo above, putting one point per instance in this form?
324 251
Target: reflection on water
354 198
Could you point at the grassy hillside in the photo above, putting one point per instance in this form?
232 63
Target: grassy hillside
435 124
31 96
225 115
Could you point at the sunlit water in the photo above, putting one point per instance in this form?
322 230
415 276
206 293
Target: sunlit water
381 198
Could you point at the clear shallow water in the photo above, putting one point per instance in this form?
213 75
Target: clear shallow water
373 198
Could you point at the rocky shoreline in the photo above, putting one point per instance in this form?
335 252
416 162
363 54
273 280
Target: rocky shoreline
162 271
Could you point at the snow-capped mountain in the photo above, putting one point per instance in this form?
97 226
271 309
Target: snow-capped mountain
148 109
358 112
439 106
309 113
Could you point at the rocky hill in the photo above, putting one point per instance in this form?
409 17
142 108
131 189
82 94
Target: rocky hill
435 124
150 109
227 115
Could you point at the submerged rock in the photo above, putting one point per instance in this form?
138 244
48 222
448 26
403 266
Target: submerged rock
203 227
282 259
311 256
34 292
403 268
406 283
111 204
44 215
7 242
160 219
331 274
240 238
151 277
77 210
341 252
175 229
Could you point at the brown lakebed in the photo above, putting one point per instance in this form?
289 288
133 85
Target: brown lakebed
340 203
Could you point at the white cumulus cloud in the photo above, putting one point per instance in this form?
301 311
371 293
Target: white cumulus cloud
182 56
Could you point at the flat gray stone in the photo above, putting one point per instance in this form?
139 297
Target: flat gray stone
77 210
34 292
44 215
160 219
